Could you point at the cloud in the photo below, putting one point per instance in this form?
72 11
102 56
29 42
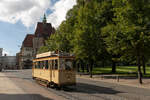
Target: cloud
6 52
27 11
60 9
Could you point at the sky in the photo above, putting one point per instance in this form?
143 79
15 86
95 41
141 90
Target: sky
20 17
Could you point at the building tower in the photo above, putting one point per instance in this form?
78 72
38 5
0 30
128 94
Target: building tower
44 19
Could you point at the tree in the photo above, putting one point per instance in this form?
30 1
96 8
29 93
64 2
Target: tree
88 44
112 38
43 49
131 29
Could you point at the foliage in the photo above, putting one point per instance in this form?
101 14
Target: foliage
94 30
129 33
43 49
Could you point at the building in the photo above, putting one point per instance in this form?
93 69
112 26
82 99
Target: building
25 56
42 33
32 43
1 52
8 62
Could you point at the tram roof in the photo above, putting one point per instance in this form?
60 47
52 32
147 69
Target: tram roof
53 54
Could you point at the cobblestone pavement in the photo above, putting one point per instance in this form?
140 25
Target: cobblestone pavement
85 89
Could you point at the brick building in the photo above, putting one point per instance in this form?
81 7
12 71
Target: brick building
26 52
33 42
42 33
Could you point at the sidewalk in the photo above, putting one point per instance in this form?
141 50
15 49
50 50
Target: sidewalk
14 88
9 89
121 81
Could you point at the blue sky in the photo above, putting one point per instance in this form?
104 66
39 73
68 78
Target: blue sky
16 21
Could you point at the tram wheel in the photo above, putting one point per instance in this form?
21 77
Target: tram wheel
33 78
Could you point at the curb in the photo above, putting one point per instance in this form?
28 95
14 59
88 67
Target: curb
119 83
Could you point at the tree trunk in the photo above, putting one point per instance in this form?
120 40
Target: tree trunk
103 63
78 67
87 68
91 68
139 71
82 66
143 63
113 67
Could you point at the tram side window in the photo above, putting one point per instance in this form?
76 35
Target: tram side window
62 64
42 64
35 65
56 64
46 64
38 65
68 64
52 63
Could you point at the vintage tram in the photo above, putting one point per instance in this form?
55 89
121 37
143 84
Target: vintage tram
54 69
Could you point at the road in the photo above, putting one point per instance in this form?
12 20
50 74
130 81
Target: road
84 90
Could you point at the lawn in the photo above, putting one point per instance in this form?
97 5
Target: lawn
123 70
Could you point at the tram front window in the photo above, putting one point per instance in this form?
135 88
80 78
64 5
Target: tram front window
68 64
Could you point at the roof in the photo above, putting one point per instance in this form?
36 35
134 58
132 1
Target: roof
44 30
28 41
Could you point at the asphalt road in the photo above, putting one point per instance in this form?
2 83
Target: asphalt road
84 90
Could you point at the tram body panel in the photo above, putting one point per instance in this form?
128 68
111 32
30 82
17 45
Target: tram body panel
55 76
42 73
67 77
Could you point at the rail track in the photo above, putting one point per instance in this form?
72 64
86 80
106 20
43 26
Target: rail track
69 93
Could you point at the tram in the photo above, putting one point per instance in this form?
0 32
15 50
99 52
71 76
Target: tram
54 69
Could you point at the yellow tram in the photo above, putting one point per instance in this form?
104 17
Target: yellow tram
54 69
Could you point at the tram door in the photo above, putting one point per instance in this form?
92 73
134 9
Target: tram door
55 70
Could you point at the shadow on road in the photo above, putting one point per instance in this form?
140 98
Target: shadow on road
23 97
91 89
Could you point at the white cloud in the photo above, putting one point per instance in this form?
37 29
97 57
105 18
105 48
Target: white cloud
27 11
59 11
7 52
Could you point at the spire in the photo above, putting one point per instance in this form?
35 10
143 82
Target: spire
44 19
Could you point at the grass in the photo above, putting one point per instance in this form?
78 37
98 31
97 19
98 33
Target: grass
121 70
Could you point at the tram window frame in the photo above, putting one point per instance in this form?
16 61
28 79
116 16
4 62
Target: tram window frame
39 63
42 65
56 64
50 64
67 67
53 64
62 64
35 64
46 64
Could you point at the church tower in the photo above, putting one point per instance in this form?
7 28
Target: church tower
44 19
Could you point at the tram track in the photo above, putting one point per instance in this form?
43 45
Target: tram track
71 96
61 93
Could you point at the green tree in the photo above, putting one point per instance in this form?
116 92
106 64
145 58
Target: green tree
130 26
43 49
88 44
112 37
62 39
